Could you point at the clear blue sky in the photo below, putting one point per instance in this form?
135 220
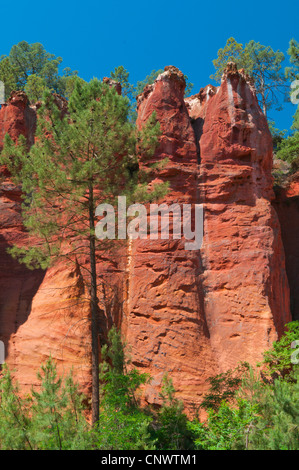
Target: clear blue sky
94 37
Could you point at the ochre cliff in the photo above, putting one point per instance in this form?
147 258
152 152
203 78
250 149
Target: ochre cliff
164 322
246 289
286 205
192 313
41 313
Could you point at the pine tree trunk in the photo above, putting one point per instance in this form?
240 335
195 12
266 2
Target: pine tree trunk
95 399
264 108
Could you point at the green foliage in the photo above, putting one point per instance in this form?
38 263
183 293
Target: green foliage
256 413
170 428
288 150
265 67
51 418
293 72
35 88
119 385
278 422
123 424
57 421
67 82
262 63
245 411
31 68
8 76
14 415
277 135
278 358
231 52
32 59
226 429
295 125
121 75
223 387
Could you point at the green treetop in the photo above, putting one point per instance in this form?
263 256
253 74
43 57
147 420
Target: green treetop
31 68
293 52
262 63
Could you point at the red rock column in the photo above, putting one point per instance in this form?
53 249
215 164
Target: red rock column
164 321
246 290
16 118
287 207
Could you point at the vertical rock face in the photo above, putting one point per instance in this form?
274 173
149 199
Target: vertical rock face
197 313
192 313
164 320
18 284
286 205
246 289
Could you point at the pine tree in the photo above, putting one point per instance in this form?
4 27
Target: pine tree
57 421
35 88
80 159
262 63
14 415
31 66
292 72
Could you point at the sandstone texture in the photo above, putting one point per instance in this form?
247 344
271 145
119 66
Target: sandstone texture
164 321
41 313
204 311
245 283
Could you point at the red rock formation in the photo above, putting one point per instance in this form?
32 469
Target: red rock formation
17 117
197 106
18 284
113 83
40 313
246 290
189 313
